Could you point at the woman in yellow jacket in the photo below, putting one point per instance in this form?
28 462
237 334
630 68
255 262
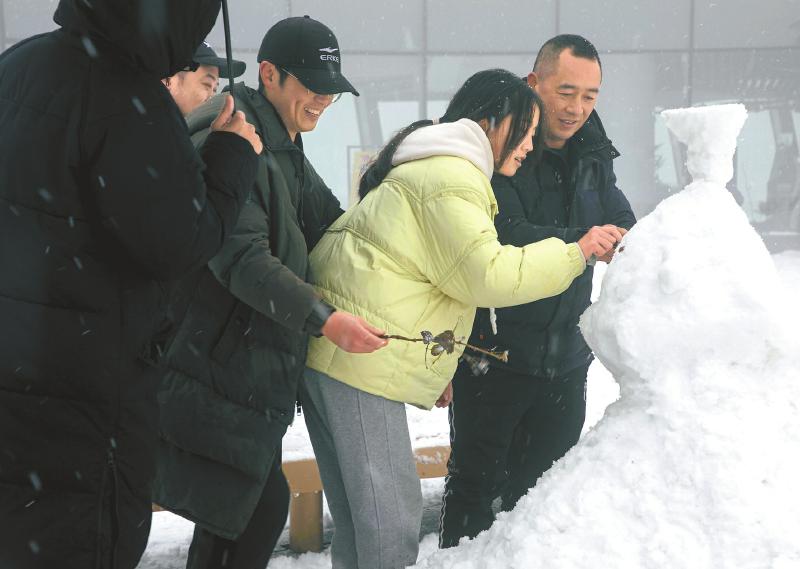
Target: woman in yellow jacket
419 252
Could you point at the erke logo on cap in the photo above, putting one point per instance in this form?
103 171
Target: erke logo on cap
329 56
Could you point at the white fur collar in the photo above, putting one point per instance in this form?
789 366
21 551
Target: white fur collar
463 138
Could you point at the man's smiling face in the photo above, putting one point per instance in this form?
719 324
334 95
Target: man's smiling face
569 93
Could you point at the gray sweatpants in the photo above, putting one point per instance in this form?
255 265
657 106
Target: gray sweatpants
368 472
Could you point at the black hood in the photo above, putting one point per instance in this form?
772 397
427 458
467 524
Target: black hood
156 36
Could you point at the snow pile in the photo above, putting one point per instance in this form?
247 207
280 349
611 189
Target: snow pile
696 465
788 265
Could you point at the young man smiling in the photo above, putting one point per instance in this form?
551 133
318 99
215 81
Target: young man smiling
231 386
509 426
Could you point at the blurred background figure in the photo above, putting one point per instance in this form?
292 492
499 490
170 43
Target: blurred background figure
192 87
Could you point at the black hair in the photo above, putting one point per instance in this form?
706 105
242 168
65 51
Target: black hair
550 51
489 95
282 75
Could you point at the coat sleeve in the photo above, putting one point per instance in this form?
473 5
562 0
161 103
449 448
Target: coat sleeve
512 224
249 270
169 210
468 263
616 206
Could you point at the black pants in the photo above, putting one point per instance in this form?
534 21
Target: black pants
506 430
255 546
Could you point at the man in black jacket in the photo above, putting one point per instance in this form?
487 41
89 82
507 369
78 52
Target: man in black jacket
234 366
103 199
509 426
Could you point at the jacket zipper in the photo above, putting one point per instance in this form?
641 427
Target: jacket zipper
112 465
109 476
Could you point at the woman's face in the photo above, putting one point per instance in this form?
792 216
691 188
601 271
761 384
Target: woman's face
499 135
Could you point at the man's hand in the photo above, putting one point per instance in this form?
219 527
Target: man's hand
599 241
606 258
353 334
446 397
228 121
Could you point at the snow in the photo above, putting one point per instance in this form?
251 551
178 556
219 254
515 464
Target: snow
168 545
788 265
696 464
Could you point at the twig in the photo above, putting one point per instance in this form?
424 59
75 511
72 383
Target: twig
502 356
446 339
396 337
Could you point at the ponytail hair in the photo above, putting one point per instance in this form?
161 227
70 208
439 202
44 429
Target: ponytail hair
489 95
380 166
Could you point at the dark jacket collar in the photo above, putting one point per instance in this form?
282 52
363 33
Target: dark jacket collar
591 138
268 122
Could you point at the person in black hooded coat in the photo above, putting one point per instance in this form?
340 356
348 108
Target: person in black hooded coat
103 201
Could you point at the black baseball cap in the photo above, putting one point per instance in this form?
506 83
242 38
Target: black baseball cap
308 50
205 55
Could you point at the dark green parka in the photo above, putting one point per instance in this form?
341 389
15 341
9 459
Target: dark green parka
230 389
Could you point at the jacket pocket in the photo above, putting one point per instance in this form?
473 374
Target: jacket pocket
197 419
236 328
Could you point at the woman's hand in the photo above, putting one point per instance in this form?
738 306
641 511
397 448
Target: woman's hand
599 241
352 333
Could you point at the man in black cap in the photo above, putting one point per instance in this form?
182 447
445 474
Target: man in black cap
300 72
230 390
192 87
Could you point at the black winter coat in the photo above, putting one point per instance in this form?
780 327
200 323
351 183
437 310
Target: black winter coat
102 200
550 198
231 388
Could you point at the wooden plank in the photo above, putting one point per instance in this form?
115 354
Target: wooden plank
302 475
305 522
432 461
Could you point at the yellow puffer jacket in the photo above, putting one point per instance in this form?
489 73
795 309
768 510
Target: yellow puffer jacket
420 252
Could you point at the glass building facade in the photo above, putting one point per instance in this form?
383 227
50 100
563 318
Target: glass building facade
408 57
